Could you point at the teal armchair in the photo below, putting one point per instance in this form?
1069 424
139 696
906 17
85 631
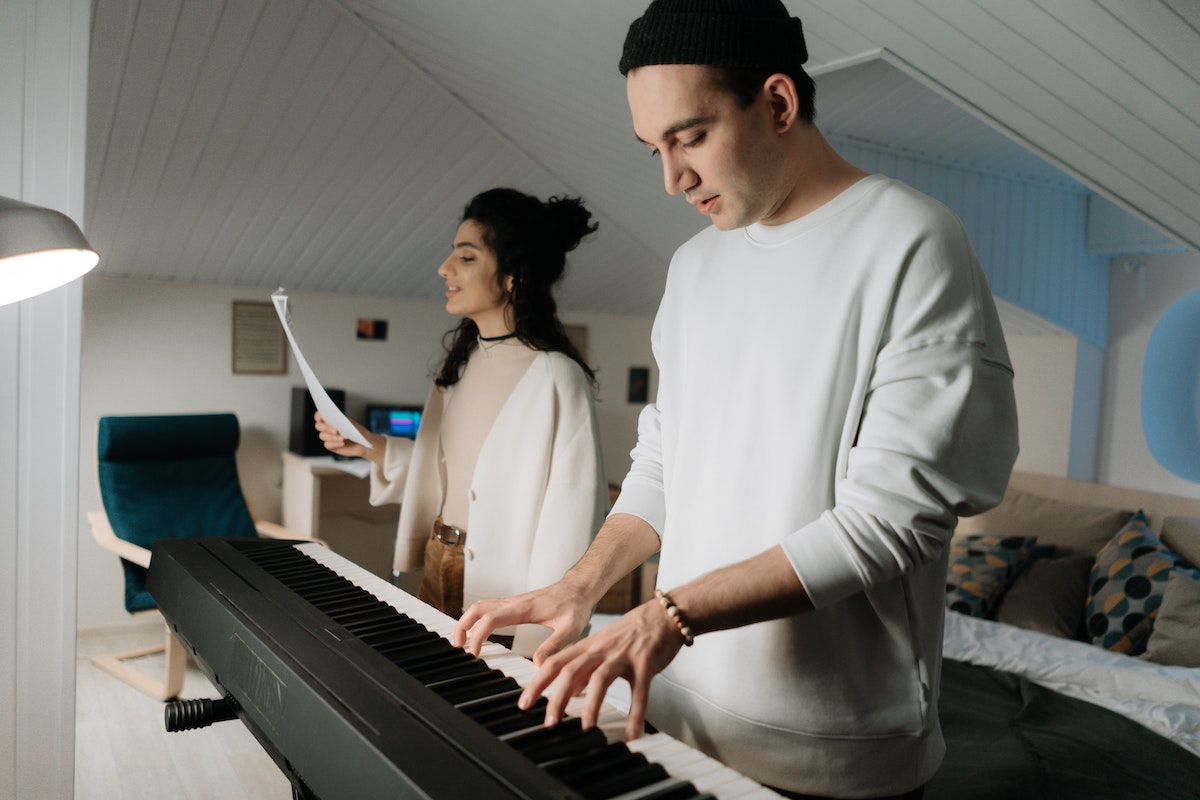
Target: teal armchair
166 476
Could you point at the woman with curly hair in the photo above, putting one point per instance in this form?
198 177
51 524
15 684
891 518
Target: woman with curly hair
504 486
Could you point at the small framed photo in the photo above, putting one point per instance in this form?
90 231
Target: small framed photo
639 384
259 341
375 329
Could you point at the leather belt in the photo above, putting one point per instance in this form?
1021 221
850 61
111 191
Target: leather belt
448 535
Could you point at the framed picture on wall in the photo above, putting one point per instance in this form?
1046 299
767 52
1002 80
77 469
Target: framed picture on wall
259 341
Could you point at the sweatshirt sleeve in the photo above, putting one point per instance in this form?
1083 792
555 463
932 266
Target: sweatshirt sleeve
642 492
936 439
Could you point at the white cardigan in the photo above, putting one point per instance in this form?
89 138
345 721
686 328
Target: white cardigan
537 496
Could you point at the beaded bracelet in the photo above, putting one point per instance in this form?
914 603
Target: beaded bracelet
676 616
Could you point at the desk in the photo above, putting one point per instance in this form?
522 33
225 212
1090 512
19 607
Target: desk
325 501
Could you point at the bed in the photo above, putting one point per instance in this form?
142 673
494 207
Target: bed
1071 662
1031 707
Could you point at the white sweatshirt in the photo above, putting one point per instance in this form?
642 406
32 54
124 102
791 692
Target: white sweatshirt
839 385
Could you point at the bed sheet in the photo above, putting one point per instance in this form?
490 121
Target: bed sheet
1164 699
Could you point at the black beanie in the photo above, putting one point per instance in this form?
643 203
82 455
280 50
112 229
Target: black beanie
757 34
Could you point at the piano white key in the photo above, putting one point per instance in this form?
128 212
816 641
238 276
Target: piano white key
753 791
678 759
651 742
683 759
705 773
720 783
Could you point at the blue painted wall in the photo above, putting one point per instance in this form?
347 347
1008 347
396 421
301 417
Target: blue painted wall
1030 236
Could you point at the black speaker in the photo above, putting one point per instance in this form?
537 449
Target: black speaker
303 439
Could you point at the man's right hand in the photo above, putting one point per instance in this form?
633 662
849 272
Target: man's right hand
560 607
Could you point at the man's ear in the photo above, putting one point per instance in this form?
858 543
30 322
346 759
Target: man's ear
784 102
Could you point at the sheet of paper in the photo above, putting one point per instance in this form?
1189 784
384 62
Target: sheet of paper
329 412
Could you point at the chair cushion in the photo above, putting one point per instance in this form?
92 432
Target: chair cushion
174 496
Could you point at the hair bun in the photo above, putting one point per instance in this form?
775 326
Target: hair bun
567 222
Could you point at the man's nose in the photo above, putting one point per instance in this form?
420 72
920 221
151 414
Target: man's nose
677 175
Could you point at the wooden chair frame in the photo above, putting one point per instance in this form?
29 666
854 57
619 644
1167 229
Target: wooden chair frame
116 664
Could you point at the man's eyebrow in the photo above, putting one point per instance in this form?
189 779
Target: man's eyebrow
682 125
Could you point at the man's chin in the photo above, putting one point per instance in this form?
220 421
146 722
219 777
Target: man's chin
724 223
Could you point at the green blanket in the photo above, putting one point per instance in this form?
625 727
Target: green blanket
1007 737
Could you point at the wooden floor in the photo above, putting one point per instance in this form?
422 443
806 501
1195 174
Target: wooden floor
122 749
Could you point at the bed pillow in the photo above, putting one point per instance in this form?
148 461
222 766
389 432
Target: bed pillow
1049 596
1175 639
1126 588
1075 530
981 569
1182 535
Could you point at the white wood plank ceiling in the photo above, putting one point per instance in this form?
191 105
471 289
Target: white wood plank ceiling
330 146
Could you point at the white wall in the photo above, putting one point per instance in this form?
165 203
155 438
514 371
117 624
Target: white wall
1044 386
158 347
1139 296
43 60
1080 408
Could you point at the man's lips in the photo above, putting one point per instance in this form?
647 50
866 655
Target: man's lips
705 206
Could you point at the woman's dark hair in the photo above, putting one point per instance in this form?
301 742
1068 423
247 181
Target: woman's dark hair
530 240
745 84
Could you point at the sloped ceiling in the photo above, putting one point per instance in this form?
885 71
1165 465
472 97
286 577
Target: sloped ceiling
330 146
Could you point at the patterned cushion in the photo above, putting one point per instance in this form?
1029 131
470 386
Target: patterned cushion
982 566
1126 587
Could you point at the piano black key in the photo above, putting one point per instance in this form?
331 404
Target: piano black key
319 590
351 603
514 720
564 739
582 770
501 703
473 687
452 666
404 630
616 783
414 653
367 619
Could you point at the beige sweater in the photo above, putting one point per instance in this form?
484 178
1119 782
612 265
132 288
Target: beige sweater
491 374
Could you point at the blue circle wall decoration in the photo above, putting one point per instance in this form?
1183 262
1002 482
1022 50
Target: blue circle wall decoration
1171 389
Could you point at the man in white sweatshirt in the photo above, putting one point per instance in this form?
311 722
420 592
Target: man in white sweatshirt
804 547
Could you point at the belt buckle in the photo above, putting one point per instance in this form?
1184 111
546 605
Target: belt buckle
449 535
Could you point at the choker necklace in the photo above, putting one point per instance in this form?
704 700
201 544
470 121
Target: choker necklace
491 339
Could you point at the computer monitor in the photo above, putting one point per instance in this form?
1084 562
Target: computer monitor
394 420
